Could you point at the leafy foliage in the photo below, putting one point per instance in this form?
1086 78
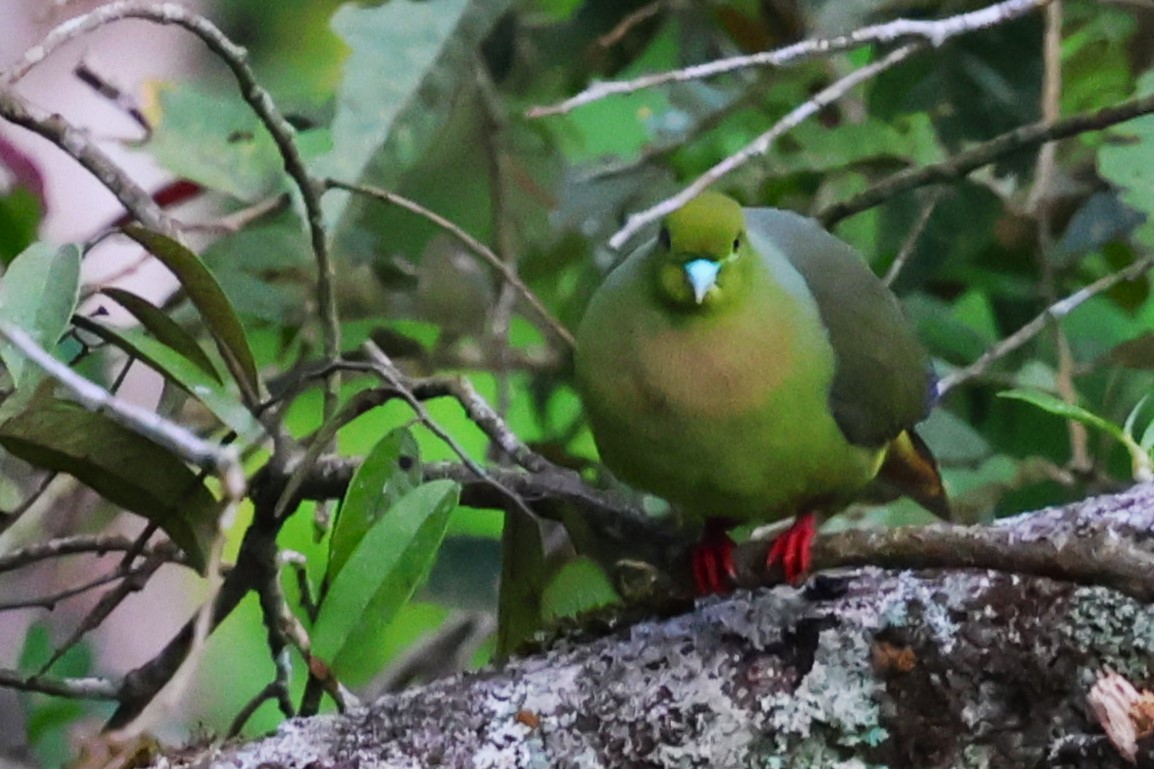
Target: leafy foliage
429 101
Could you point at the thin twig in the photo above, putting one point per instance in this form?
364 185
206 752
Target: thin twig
80 147
185 444
631 20
1040 202
70 688
84 544
484 416
388 371
238 220
964 163
474 245
283 134
12 516
134 581
49 601
762 143
271 690
915 234
1054 312
935 33
86 74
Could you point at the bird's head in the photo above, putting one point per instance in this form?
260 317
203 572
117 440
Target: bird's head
700 249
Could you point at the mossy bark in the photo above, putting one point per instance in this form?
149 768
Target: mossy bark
868 668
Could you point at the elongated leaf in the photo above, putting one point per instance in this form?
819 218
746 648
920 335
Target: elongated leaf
164 328
1060 408
123 467
522 581
383 571
20 215
208 298
225 405
39 293
391 470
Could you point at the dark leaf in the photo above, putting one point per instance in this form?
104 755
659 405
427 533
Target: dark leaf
208 298
164 328
125 468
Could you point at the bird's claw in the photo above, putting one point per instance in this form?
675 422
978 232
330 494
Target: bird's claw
793 549
713 570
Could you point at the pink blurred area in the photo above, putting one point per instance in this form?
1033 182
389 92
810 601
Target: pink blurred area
127 54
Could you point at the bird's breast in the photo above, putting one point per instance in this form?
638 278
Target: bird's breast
712 369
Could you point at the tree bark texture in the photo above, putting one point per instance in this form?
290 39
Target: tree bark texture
868 668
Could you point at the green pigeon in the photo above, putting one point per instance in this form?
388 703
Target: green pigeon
748 366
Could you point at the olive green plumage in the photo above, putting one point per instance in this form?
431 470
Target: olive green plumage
748 365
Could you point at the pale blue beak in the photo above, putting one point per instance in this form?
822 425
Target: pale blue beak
702 274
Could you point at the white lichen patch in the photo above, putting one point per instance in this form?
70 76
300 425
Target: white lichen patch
839 692
1111 628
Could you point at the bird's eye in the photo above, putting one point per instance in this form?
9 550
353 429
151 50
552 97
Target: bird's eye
663 239
737 243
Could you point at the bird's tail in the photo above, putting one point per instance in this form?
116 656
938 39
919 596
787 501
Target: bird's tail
910 468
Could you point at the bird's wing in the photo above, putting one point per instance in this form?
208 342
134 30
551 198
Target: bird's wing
883 382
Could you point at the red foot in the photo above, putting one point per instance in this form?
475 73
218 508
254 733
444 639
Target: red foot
792 549
713 571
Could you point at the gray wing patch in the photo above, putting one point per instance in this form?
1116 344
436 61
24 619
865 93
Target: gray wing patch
883 383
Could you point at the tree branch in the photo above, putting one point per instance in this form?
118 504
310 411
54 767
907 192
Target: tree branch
762 144
995 149
934 668
933 32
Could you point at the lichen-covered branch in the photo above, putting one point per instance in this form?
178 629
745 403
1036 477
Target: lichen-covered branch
939 668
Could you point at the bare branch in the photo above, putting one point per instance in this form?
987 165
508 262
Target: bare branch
236 59
385 369
631 20
985 153
761 144
49 601
182 442
935 33
134 581
474 245
84 544
912 237
70 688
1054 312
77 144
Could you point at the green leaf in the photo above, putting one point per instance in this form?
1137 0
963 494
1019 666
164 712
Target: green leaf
225 405
1141 464
522 581
49 719
208 298
580 586
39 294
125 468
383 571
407 63
390 470
215 140
164 328
1060 408
19 218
